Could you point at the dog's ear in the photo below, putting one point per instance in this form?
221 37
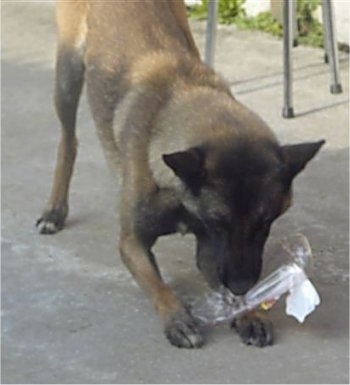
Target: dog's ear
188 166
296 156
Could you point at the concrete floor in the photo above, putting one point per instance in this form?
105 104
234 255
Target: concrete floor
70 311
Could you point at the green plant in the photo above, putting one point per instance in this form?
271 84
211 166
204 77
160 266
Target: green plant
310 31
199 12
228 10
264 21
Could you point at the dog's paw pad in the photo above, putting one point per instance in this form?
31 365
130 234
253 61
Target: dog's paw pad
50 222
184 331
254 330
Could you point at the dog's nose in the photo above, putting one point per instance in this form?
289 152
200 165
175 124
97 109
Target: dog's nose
240 286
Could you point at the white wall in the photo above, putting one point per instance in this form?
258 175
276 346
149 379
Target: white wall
254 7
342 18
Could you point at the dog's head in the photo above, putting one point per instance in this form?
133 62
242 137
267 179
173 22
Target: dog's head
236 191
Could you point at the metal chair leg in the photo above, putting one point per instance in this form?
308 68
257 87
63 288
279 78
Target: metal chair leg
210 40
288 111
331 45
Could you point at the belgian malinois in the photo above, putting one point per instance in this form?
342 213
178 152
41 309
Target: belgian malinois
187 153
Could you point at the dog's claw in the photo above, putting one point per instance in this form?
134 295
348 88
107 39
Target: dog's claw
254 330
46 227
184 331
51 222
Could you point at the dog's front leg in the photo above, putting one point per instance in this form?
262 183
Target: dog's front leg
179 326
254 329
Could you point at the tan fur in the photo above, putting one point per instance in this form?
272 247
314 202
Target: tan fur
71 22
149 94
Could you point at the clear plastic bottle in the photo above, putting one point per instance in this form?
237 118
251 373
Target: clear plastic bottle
222 305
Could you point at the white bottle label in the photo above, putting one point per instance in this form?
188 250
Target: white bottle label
302 300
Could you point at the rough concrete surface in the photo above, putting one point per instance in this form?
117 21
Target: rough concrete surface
70 311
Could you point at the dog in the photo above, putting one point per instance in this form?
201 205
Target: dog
188 155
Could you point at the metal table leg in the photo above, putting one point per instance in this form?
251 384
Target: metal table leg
331 45
210 40
288 111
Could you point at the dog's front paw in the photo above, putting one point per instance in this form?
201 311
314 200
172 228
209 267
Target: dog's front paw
254 329
51 221
183 331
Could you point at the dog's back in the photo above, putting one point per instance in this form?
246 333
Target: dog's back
98 25
122 44
153 26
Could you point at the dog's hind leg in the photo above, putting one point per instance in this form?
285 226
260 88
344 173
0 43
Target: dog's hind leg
68 86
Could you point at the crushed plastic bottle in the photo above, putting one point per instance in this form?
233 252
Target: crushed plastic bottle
222 305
